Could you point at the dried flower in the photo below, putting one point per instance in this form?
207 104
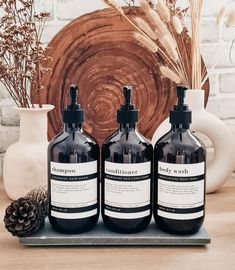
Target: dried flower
145 5
169 47
23 59
156 21
168 73
220 15
158 33
145 27
160 28
146 42
177 24
163 11
114 5
231 18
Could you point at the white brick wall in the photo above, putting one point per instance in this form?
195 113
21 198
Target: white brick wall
222 96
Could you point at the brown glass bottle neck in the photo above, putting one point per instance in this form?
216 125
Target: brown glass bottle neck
180 127
128 126
73 127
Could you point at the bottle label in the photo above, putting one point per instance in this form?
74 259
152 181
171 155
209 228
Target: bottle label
127 190
181 190
73 190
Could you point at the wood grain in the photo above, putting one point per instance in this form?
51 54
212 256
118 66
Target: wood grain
98 52
220 254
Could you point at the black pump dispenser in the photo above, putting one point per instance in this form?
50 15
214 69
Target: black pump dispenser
127 113
73 113
181 115
127 153
179 171
74 156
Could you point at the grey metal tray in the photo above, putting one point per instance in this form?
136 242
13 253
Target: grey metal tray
100 236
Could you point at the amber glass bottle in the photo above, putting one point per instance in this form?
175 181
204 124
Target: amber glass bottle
73 174
127 174
179 180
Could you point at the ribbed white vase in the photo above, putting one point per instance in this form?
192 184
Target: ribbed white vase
222 139
25 162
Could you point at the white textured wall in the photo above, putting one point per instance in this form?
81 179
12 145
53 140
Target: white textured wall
222 97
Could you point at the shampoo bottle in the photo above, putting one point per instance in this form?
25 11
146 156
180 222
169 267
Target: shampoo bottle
127 174
179 181
73 174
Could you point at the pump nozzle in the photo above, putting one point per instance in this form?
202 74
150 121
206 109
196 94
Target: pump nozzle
73 94
127 113
73 113
127 89
181 94
181 115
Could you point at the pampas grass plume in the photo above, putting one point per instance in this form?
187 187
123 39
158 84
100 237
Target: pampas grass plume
168 73
220 15
169 47
163 11
231 19
114 5
145 27
177 24
146 42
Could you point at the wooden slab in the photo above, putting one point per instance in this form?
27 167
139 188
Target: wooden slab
99 53
100 236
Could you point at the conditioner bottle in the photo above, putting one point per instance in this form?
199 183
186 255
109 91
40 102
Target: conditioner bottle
127 174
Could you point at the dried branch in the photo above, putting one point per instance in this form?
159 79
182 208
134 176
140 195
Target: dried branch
196 11
23 59
163 33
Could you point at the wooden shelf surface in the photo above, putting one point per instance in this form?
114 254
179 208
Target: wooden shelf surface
220 254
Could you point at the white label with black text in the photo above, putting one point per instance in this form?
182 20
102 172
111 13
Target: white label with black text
73 190
127 190
181 190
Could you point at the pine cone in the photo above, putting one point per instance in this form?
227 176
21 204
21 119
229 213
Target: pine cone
23 217
39 195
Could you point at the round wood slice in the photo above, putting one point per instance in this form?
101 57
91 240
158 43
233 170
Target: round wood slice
98 52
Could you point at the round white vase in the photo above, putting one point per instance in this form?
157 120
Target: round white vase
222 139
25 162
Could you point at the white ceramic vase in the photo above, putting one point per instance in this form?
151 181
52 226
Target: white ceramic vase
222 139
25 162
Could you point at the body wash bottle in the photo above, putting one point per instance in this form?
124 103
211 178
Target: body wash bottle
73 174
127 174
179 181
